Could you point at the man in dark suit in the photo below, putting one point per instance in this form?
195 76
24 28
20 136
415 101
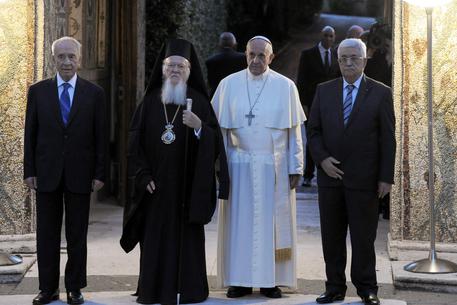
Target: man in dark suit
225 62
351 131
64 155
317 65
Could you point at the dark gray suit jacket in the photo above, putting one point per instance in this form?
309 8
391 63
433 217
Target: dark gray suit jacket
75 152
366 146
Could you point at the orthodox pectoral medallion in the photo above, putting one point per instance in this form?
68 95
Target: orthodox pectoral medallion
168 136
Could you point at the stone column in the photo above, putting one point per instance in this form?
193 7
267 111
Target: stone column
27 29
20 64
410 227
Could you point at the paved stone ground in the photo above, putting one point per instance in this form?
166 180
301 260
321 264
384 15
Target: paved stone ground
216 298
112 274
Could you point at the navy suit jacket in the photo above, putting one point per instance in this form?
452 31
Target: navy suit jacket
75 152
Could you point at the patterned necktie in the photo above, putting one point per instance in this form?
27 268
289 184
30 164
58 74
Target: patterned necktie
347 105
65 103
326 63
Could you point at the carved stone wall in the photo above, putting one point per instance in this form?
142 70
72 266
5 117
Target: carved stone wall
27 30
410 206
18 51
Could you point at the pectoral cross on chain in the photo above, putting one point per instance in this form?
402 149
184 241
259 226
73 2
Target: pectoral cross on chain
250 116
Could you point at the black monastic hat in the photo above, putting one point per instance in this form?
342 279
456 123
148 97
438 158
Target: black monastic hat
184 48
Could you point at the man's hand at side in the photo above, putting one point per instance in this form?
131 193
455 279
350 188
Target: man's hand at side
30 182
383 189
97 185
151 187
328 165
293 180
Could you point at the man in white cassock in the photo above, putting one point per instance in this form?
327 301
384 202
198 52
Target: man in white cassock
260 116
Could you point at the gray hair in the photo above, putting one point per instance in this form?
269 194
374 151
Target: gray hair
66 38
353 43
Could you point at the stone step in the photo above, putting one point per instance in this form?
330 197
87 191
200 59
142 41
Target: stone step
15 273
429 282
215 298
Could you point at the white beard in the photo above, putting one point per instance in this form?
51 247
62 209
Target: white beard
174 94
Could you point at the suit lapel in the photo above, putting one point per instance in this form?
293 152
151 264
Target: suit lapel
53 92
77 100
339 102
334 67
364 87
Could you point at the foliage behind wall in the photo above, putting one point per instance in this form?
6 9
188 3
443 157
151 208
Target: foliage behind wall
199 21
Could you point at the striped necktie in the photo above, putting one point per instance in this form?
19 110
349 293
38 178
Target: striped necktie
347 105
65 103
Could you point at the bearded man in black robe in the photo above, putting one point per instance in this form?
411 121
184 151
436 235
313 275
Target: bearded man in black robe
171 160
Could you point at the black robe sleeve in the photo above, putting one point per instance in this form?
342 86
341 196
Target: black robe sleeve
139 175
200 183
203 200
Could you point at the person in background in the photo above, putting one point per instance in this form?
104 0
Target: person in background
379 67
317 64
225 62
355 31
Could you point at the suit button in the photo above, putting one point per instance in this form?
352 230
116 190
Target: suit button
65 137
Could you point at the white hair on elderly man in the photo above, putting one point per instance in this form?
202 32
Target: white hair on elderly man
175 93
353 43
66 38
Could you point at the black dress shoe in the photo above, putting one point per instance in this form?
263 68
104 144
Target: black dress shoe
371 299
75 297
274 292
330 297
237 291
46 297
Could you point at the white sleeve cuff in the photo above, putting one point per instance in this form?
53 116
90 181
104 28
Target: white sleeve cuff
198 132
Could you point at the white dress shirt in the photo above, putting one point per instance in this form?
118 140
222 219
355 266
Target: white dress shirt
71 89
322 51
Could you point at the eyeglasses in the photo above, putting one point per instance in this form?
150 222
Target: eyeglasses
344 59
180 67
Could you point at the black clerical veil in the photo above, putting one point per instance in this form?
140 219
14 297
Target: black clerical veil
183 48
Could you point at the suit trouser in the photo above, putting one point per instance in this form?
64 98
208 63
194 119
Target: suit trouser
341 208
50 207
309 162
